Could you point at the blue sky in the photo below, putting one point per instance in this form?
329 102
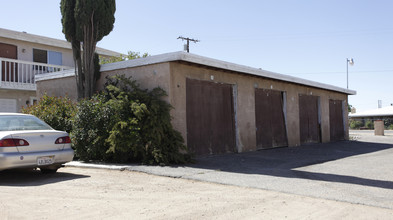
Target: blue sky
303 38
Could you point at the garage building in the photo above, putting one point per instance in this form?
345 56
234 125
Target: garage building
222 107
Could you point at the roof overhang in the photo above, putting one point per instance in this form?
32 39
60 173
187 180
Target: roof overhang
379 112
196 59
23 36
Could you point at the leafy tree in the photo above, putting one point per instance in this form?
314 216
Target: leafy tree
86 22
130 56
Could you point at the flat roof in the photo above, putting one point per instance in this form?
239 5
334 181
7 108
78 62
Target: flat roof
23 36
379 112
196 59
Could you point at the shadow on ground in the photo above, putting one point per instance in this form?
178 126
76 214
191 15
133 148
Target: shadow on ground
27 178
281 162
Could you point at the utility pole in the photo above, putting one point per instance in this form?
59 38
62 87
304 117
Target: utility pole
188 42
350 61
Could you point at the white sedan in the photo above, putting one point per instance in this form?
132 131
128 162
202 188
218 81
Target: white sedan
28 142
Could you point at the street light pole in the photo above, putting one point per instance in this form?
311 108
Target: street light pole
350 61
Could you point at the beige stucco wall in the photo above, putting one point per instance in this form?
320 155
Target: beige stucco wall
60 87
245 102
25 50
171 76
22 97
149 77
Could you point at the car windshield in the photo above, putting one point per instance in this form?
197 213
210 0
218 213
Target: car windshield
22 122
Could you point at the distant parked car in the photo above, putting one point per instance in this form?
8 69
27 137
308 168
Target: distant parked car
28 142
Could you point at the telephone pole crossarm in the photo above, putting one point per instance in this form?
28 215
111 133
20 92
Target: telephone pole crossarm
188 41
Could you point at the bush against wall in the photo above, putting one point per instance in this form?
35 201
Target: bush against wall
123 123
92 122
143 128
58 112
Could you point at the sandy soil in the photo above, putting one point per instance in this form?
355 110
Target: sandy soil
75 193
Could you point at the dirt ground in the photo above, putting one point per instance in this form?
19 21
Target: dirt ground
76 193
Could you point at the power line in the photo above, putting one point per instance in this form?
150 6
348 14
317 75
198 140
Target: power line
341 72
303 35
188 42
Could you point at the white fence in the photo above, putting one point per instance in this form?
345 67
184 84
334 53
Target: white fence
18 74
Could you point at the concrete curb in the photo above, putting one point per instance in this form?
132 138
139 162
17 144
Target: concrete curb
166 171
96 166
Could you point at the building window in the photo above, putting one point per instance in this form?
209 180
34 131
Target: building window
47 56
55 58
40 56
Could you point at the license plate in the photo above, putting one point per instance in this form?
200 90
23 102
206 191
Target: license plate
45 160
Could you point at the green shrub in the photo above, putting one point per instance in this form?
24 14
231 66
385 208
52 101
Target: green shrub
123 123
58 112
92 123
144 131
388 122
127 124
355 124
369 124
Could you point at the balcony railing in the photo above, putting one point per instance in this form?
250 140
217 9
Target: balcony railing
18 74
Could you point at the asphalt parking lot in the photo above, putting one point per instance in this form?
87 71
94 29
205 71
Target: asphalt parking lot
359 172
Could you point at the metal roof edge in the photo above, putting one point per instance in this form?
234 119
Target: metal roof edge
197 59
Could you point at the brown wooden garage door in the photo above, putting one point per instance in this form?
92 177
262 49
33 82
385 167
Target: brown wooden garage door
270 120
9 70
336 120
309 119
210 117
